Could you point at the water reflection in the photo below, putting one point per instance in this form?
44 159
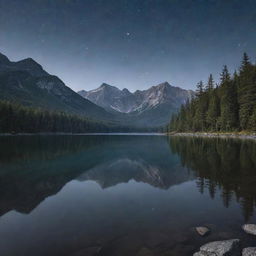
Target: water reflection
122 195
33 168
228 164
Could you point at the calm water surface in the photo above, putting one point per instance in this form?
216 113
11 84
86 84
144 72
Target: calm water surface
123 195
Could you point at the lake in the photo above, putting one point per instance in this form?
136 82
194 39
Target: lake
123 195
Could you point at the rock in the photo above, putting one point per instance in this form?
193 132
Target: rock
250 229
250 251
202 231
220 248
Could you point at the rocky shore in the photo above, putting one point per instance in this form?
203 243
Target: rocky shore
231 247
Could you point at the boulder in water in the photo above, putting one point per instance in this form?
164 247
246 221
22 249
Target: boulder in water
202 231
220 248
250 229
250 251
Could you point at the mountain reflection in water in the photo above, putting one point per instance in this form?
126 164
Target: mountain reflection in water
122 195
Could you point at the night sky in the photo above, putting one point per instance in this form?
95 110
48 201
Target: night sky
129 43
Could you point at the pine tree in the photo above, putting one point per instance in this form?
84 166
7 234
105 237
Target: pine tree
210 84
200 89
230 106
201 108
252 121
224 76
15 118
246 92
213 112
228 103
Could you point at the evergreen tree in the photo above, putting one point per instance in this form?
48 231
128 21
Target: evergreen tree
210 84
200 108
199 89
246 92
15 118
230 106
228 102
213 112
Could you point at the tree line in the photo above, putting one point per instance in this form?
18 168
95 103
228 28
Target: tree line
227 106
15 118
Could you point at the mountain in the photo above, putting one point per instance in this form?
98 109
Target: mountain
153 106
111 98
27 83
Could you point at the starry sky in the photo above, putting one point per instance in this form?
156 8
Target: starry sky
129 43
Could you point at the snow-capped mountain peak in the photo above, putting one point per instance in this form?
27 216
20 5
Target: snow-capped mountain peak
114 99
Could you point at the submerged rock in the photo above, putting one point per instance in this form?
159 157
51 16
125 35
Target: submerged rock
250 251
250 229
202 231
220 248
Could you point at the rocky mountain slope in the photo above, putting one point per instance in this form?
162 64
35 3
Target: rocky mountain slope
27 83
153 106
111 98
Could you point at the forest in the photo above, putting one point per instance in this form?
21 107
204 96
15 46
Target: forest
15 118
228 106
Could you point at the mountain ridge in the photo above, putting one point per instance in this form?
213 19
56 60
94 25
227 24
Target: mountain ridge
139 95
27 83
149 106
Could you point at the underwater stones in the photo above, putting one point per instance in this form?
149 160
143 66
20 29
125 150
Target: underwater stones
250 229
249 251
202 231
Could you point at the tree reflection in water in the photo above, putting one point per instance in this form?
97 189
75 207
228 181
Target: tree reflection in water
228 164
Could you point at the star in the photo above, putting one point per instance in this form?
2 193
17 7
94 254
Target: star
128 34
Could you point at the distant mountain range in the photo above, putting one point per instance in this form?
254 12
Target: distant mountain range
114 99
27 83
153 106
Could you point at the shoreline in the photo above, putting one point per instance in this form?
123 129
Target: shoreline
85 134
234 135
